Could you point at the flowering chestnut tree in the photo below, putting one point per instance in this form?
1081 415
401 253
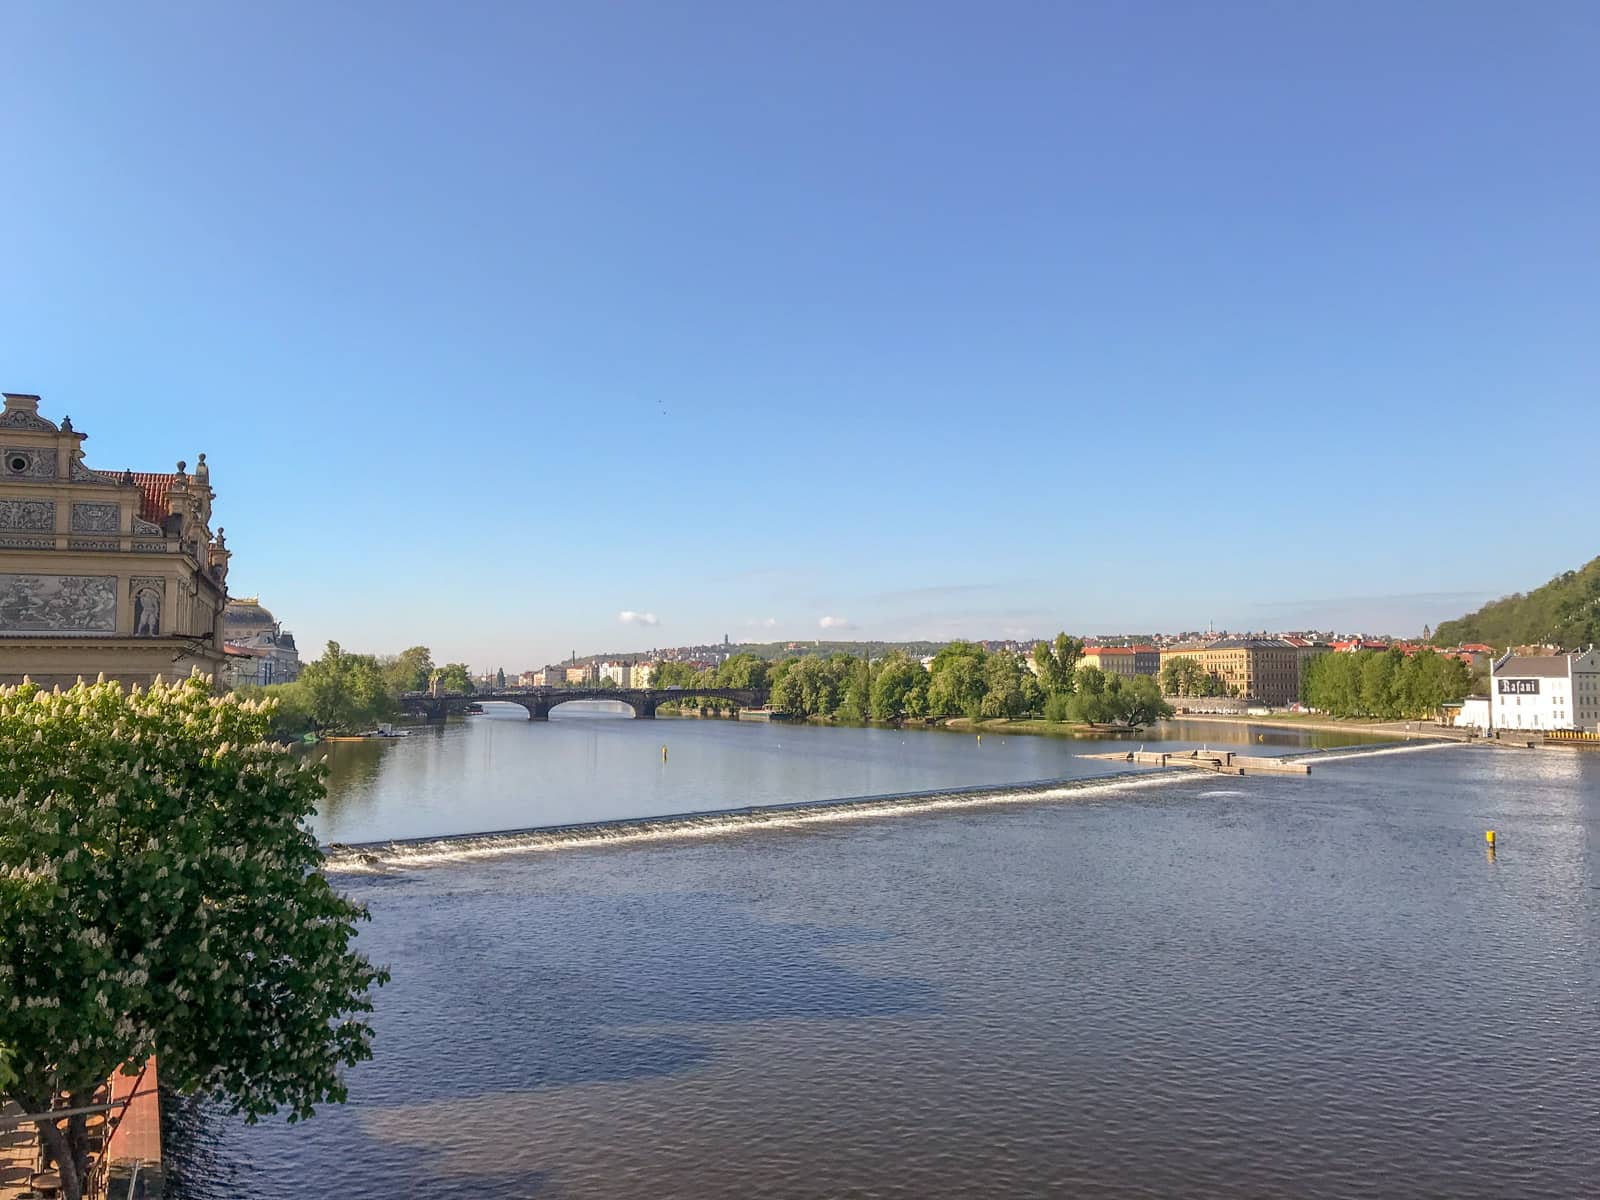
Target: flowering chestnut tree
160 893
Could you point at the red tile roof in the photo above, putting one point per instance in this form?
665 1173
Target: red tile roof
154 485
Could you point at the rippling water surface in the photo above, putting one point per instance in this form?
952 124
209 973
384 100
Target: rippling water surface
1202 987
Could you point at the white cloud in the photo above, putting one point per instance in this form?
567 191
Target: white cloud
835 623
628 617
769 622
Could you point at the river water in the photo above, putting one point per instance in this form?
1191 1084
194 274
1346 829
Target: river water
1169 985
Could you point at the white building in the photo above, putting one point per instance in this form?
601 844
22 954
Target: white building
1476 712
627 674
1547 691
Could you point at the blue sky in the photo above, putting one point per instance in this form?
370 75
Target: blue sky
499 321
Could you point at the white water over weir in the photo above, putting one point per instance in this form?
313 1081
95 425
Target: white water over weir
370 857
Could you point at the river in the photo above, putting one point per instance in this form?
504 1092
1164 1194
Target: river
1175 985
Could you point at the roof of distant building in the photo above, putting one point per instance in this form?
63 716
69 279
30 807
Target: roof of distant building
1249 643
1546 666
247 611
154 485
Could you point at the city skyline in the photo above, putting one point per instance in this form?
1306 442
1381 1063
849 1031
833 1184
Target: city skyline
906 323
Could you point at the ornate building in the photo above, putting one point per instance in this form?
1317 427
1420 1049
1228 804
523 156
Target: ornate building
247 626
102 572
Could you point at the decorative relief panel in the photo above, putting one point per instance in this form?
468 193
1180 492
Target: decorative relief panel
96 518
28 514
149 547
28 543
20 418
140 525
79 543
82 604
82 474
28 462
146 592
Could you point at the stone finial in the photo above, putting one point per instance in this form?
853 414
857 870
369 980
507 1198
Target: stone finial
202 473
222 542
66 424
127 477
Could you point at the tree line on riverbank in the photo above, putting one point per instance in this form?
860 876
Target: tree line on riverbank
346 692
1384 684
963 680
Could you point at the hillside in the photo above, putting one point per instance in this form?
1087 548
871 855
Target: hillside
1564 612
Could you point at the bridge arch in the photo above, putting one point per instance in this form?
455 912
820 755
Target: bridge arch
539 701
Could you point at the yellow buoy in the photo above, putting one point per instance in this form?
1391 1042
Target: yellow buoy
980 739
1488 836
663 754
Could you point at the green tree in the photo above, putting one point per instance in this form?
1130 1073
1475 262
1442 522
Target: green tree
1093 696
1056 663
742 671
956 683
899 688
1003 695
342 690
855 701
454 677
1184 676
409 671
160 890
672 674
1139 701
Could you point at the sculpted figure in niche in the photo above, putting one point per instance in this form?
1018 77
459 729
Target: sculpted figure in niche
147 614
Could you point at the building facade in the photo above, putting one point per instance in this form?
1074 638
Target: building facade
246 625
1264 669
244 666
1546 691
114 573
1113 660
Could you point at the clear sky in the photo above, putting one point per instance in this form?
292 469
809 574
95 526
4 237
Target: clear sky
498 321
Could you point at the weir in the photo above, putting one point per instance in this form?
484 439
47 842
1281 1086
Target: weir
426 851
377 856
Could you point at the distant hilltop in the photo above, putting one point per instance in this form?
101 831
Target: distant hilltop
1564 612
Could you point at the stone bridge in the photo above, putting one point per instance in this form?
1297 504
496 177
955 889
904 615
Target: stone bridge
540 700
